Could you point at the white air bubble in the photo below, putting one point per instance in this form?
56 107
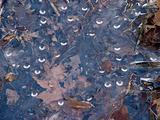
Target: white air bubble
14 65
8 54
153 59
60 103
41 60
37 72
107 85
91 34
99 22
117 49
118 59
63 7
124 69
26 66
63 44
89 99
84 9
70 19
42 48
42 12
34 94
57 56
117 26
43 21
101 71
119 83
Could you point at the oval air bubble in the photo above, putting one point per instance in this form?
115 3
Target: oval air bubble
117 26
34 94
119 83
26 66
41 60
107 85
42 48
37 72
60 103
42 12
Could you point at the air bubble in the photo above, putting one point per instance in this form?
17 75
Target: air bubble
26 66
14 65
37 72
43 21
41 60
63 44
63 7
117 26
107 85
99 22
8 54
84 9
118 59
91 34
102 71
60 103
42 48
57 56
34 94
124 69
70 19
89 99
117 49
119 83
42 12
153 59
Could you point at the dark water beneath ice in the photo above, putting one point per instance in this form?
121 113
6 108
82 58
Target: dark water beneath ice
81 39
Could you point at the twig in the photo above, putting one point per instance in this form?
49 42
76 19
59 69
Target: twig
54 7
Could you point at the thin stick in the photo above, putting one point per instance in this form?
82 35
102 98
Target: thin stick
54 7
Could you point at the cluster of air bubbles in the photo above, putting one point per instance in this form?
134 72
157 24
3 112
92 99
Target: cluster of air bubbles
109 84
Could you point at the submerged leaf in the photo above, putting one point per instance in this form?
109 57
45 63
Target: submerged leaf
9 77
75 104
12 96
6 39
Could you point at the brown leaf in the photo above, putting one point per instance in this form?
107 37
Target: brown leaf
106 66
50 96
157 103
121 114
6 39
157 14
51 80
75 61
9 77
28 35
12 96
75 104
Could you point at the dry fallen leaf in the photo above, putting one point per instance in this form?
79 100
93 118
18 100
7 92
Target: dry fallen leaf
6 39
157 103
75 104
121 114
53 76
157 14
12 96
107 66
9 77
28 35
